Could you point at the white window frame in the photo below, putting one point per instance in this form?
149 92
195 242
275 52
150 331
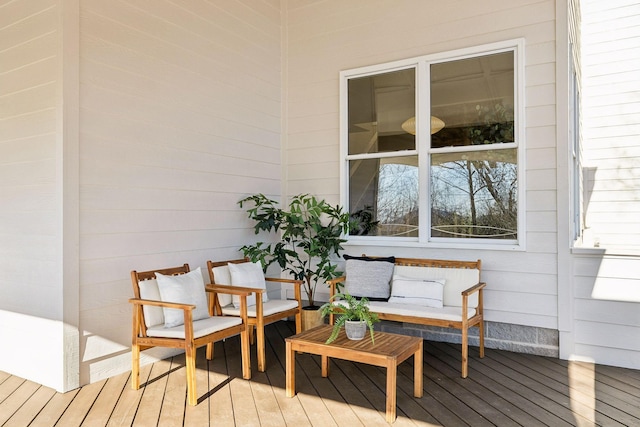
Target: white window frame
423 150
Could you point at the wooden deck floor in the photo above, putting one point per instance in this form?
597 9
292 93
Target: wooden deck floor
503 389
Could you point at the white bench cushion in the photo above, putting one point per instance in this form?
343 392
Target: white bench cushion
200 327
444 313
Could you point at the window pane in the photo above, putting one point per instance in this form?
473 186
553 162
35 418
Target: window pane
474 98
384 194
474 194
378 106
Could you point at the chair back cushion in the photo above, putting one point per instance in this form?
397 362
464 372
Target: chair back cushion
149 290
222 276
185 288
369 278
247 274
456 281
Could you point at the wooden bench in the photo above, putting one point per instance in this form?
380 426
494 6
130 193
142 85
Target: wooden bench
462 299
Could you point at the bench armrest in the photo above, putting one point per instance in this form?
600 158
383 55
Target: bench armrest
334 283
475 288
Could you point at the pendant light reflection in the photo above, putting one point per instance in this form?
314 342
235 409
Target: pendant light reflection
409 125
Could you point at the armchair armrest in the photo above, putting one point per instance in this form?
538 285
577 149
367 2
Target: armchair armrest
233 290
165 304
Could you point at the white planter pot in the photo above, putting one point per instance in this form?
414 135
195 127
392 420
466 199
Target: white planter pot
355 329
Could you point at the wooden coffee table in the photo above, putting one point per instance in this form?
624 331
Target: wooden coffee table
388 351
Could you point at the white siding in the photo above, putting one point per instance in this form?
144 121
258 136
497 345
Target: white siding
324 38
611 121
181 116
31 286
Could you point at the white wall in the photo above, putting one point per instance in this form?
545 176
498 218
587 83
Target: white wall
38 310
324 38
605 306
611 122
180 107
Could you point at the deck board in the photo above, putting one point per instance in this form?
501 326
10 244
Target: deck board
503 389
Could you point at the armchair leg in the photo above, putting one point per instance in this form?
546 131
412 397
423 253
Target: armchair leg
210 351
481 331
465 352
246 362
299 322
190 356
260 348
135 367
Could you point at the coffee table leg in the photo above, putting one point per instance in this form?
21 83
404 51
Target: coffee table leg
417 372
290 371
325 366
392 373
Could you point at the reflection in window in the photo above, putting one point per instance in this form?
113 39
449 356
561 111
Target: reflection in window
474 194
388 190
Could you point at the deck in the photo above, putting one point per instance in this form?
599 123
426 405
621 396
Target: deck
503 389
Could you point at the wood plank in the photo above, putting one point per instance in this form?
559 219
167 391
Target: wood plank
127 405
81 404
106 401
175 394
148 412
15 400
54 409
220 401
27 412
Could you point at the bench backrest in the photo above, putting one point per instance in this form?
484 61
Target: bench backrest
458 276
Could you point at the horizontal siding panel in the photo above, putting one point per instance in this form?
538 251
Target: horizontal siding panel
540 137
608 355
541 200
27 125
37 98
610 312
28 53
538 242
14 12
42 21
96 246
35 74
607 335
541 181
148 45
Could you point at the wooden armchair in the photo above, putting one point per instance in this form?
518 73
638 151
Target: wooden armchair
196 325
263 312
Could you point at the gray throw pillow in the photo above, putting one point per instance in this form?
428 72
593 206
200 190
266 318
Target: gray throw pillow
371 279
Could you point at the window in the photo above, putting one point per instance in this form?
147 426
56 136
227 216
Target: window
432 148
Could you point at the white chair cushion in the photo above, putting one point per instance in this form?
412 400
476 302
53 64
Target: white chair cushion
186 289
250 275
200 327
149 290
424 292
444 313
222 276
268 308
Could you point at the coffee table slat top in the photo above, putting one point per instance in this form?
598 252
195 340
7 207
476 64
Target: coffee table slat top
386 345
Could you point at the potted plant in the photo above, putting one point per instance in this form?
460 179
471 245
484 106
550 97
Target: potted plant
311 233
353 314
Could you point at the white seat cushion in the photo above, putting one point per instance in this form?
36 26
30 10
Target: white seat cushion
200 327
268 308
444 313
